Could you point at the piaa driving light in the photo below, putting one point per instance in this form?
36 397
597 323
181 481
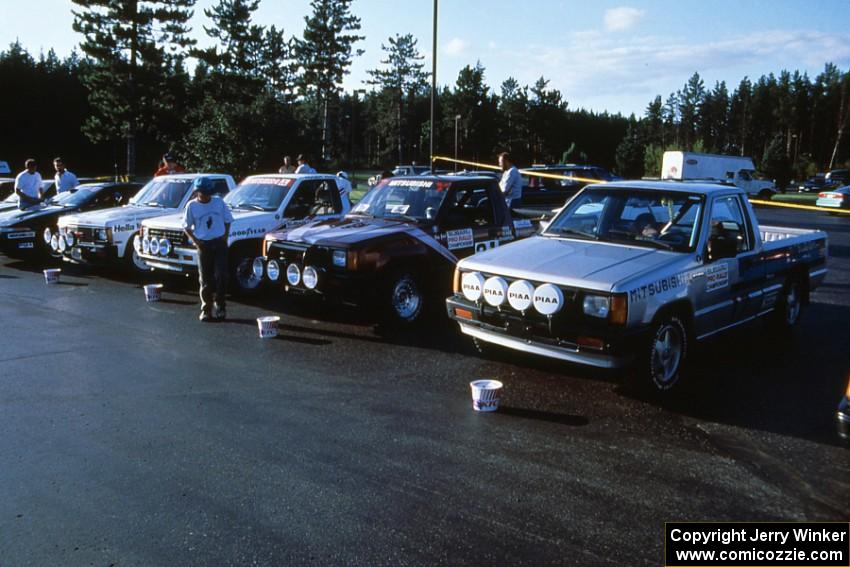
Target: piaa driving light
69 238
164 247
47 235
146 245
472 285
311 277
257 267
137 243
495 291
520 294
339 259
293 274
154 246
273 270
595 306
548 299
102 234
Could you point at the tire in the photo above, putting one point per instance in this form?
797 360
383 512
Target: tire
664 357
403 300
242 278
132 261
789 306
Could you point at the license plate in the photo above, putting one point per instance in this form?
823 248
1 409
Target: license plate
77 254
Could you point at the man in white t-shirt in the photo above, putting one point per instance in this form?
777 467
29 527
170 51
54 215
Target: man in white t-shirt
65 180
511 181
28 186
206 221
303 165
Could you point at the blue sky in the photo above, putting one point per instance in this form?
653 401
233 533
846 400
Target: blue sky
602 55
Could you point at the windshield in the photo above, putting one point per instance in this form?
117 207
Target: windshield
77 198
655 219
259 193
165 193
410 199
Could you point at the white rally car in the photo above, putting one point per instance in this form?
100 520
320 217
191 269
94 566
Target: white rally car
105 236
260 204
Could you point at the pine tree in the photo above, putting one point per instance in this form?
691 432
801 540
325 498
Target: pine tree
324 54
402 75
131 45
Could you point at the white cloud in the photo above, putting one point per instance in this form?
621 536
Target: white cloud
456 47
492 45
622 18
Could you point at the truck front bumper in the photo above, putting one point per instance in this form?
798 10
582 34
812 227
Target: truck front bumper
181 261
611 350
91 254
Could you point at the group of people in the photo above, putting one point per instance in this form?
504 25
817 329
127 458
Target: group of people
29 185
304 166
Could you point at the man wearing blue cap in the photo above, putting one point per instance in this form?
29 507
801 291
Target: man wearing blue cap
206 222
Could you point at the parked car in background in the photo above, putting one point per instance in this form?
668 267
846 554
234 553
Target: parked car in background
106 237
816 184
34 230
410 169
259 204
839 176
541 190
835 199
4 168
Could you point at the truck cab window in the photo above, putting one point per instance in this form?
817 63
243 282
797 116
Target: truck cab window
727 219
468 206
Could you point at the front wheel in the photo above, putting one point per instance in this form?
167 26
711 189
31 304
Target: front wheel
789 306
132 261
663 359
404 300
244 279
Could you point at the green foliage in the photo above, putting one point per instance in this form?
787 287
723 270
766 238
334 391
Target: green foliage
776 164
630 154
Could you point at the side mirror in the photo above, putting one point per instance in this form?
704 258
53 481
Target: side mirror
721 246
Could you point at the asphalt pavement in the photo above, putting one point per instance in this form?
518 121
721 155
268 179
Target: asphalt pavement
135 435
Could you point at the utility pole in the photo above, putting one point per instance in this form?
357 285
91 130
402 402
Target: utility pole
433 83
457 119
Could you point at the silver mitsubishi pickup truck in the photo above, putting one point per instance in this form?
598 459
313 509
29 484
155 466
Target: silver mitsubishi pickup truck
637 272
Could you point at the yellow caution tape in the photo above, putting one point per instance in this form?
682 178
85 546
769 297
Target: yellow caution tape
523 171
804 207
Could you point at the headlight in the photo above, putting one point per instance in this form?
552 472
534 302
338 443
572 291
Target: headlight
293 274
495 291
146 245
47 235
595 306
273 270
54 242
137 243
548 299
339 258
102 234
520 294
472 285
311 277
69 238
164 247
154 246
257 267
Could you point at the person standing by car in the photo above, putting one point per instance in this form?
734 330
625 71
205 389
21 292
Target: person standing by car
304 165
169 166
511 182
206 222
287 166
65 180
28 185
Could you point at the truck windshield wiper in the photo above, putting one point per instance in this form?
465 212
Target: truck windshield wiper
575 232
249 206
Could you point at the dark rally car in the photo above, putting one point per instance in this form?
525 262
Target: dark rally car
29 231
397 249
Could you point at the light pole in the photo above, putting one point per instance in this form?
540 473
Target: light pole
433 83
457 119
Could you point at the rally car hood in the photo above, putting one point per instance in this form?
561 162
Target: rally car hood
16 216
568 262
109 218
348 231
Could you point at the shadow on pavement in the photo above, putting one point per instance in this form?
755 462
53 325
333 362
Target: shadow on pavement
551 417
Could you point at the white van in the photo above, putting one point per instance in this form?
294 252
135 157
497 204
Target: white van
733 170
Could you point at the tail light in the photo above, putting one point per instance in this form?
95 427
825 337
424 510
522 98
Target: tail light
822 195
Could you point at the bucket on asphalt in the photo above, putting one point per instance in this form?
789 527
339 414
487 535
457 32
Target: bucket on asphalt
268 326
486 394
153 292
51 275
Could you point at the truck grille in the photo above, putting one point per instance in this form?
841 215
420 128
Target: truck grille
176 237
288 252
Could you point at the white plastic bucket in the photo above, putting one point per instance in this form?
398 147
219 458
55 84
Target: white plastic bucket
51 275
486 394
153 292
268 326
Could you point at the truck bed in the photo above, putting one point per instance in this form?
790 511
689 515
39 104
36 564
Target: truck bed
779 233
